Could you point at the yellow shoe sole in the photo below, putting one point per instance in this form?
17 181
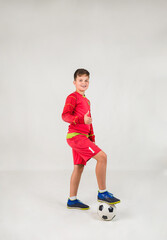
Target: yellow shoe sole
108 202
77 208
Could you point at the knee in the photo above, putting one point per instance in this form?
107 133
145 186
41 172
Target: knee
103 157
79 168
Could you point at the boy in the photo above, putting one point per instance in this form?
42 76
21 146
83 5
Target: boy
81 139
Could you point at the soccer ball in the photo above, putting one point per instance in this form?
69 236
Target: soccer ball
106 212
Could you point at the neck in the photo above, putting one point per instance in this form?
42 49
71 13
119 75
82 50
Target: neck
80 92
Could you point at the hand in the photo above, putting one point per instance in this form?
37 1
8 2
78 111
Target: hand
87 119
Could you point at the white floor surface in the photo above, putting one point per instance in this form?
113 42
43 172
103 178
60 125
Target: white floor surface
33 206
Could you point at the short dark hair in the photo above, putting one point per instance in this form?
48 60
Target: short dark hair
81 71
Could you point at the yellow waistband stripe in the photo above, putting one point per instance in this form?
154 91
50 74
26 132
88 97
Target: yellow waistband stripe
70 135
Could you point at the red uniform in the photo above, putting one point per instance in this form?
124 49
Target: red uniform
80 136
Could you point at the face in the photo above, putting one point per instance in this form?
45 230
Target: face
81 83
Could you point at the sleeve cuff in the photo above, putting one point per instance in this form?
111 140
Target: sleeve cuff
92 138
78 120
81 120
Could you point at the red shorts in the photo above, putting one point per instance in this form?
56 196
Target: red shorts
82 148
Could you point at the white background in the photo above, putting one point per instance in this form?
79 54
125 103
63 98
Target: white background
123 46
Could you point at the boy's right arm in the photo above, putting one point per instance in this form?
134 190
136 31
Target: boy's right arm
69 109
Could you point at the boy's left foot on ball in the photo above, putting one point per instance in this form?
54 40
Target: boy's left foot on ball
107 197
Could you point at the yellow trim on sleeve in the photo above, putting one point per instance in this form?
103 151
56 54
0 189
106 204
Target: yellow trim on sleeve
70 104
72 97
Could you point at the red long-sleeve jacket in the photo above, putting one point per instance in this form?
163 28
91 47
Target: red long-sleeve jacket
76 106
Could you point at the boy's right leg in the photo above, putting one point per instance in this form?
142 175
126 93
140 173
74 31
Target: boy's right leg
75 179
74 183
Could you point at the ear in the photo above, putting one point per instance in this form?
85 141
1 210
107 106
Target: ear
74 82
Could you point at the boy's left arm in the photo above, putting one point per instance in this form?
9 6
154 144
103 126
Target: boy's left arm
91 133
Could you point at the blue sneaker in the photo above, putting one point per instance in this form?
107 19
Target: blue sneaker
107 197
76 204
